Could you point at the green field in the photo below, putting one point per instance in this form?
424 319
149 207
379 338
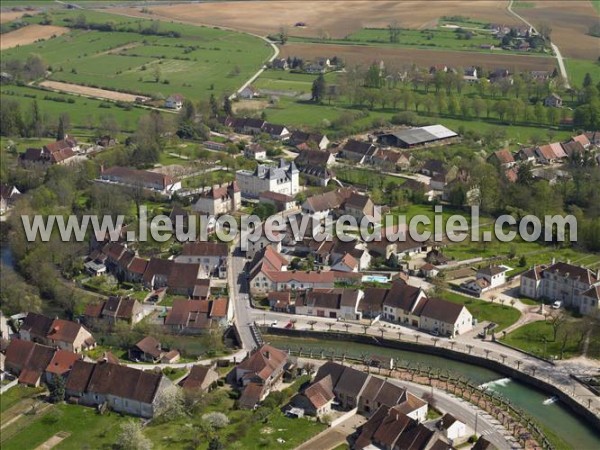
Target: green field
503 315
436 38
304 113
530 337
441 38
84 113
199 61
577 68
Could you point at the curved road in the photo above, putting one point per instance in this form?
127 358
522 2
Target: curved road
559 58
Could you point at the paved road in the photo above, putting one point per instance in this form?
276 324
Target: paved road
559 58
465 412
238 295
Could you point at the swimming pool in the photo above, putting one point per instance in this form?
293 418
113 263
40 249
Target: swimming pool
375 279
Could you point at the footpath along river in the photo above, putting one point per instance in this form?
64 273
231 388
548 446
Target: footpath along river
558 421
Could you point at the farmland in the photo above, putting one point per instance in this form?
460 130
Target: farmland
335 19
364 54
570 23
30 34
87 91
170 58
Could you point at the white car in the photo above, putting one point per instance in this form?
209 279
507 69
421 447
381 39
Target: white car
556 305
274 323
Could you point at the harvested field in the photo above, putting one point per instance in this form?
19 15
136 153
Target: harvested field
30 34
401 57
89 91
335 18
9 16
570 21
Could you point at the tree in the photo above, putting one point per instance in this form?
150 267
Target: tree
156 73
170 404
63 125
227 107
557 321
394 31
36 124
35 67
216 419
132 437
215 444
545 30
478 107
318 89
283 35
57 389
373 76
214 107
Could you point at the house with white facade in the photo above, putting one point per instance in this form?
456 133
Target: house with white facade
140 179
211 256
283 178
576 287
174 101
220 199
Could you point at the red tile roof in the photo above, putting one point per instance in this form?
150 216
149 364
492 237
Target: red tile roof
62 362
264 361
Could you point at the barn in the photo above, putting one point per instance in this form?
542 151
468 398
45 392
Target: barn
416 137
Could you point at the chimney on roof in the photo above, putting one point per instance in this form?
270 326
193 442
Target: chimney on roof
267 354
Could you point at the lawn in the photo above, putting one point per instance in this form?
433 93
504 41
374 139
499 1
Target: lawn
503 315
366 178
530 338
195 61
250 429
15 395
84 425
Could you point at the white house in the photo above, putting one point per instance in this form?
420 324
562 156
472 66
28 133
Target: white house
494 275
220 199
256 152
174 101
248 92
445 318
576 287
452 428
283 179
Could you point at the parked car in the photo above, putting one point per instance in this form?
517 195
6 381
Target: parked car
289 325
274 323
556 305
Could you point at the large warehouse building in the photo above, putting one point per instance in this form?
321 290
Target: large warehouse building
415 137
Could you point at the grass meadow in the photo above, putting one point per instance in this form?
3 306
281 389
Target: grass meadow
200 61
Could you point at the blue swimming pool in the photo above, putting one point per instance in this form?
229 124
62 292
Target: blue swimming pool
375 279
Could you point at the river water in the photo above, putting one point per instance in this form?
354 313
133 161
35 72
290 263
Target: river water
555 417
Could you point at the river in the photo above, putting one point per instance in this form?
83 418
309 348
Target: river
556 418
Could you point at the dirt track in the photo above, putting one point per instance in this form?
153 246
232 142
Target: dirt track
30 34
402 57
336 18
89 91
